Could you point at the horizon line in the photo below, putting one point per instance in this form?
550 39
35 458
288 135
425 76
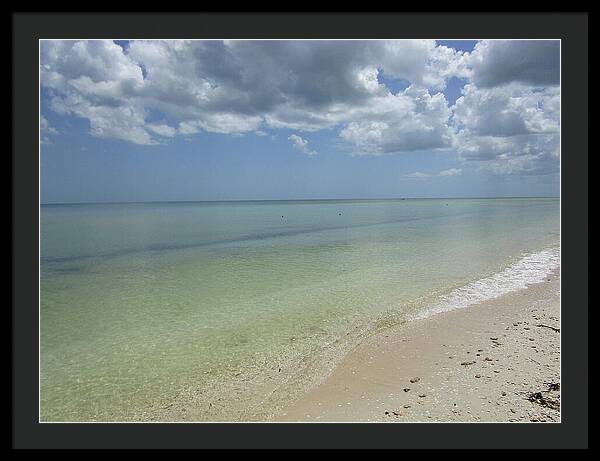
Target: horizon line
296 200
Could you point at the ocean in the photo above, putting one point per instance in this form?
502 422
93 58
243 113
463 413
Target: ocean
221 311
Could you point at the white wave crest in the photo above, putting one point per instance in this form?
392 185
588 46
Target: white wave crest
530 269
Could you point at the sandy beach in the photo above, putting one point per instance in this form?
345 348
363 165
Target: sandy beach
496 361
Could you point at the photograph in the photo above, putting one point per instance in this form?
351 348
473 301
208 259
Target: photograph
316 230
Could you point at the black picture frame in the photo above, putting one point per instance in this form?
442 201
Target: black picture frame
571 28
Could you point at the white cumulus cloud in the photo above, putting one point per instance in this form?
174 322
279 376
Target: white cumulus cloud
162 129
301 145
417 175
509 129
46 127
411 120
451 172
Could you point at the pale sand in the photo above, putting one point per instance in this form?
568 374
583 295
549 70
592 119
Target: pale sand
369 383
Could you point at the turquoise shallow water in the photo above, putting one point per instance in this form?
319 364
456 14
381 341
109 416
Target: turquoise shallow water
146 306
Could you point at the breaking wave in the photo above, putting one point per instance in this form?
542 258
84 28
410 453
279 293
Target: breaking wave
531 268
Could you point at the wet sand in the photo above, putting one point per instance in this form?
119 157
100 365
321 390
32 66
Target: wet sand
494 361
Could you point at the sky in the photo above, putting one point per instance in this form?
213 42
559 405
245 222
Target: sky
176 120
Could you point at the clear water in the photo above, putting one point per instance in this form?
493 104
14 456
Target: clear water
206 311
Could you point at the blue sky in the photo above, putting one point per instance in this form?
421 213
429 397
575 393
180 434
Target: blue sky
154 121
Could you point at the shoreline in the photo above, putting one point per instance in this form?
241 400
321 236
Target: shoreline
495 361
365 379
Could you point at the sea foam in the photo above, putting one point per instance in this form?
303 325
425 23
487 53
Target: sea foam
531 268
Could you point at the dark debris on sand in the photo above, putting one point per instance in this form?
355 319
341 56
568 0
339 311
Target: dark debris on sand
544 399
